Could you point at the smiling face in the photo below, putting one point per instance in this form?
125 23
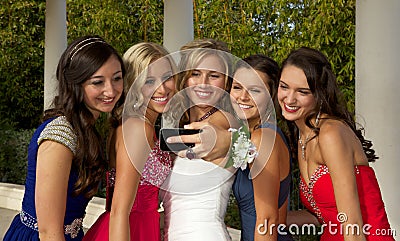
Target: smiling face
159 86
104 88
294 94
249 95
207 82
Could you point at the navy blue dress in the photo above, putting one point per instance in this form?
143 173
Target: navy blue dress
24 225
244 194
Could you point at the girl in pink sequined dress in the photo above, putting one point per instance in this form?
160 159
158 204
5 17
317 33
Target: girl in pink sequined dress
141 167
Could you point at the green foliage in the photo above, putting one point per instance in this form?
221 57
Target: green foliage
122 23
272 27
21 61
232 217
275 27
13 153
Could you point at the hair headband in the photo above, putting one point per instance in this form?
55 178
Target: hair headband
95 40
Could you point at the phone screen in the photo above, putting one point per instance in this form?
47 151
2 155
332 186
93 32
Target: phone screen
175 147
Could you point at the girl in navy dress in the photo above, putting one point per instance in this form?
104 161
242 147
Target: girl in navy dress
65 160
262 187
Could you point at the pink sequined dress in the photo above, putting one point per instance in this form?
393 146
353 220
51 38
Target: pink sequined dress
144 219
319 198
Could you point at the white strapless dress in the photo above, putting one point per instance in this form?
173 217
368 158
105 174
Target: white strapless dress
195 197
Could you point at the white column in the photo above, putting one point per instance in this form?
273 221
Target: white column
55 44
378 92
178 23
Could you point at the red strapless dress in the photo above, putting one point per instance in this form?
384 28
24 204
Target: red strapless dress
319 198
144 219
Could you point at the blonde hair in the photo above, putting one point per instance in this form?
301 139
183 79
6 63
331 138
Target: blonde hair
192 54
137 59
208 43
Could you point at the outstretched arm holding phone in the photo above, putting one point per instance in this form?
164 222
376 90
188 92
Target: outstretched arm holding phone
205 142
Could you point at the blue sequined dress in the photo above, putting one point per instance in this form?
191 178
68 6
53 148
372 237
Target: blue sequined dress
244 194
24 226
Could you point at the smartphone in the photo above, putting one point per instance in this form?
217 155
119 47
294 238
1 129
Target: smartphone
175 147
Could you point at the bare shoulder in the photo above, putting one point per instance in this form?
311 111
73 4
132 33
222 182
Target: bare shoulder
336 142
263 134
334 131
134 128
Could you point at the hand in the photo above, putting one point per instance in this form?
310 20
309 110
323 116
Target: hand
210 144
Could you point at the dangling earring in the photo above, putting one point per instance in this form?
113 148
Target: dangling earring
318 115
317 119
136 105
269 115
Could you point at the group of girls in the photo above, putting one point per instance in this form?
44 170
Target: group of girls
237 104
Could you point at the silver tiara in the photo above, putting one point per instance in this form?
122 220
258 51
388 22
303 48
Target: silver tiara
95 40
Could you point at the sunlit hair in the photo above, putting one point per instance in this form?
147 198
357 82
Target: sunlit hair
322 83
137 60
208 43
191 55
270 68
82 58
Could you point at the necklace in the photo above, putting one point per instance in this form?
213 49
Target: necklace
303 145
207 114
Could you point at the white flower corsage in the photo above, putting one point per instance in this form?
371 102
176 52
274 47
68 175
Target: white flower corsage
243 151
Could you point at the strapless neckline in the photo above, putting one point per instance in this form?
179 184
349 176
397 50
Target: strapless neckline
195 197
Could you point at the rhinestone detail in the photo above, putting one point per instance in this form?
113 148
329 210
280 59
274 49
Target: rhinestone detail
59 130
157 167
111 177
28 220
308 190
71 229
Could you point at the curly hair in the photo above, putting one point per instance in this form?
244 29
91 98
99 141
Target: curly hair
82 58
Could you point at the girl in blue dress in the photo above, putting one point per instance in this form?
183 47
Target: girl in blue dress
261 188
65 159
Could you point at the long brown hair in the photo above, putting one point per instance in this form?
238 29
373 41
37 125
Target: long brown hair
323 85
82 58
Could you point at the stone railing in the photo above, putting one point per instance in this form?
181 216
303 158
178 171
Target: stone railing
11 198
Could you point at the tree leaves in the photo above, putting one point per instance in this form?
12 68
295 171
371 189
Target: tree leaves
272 27
21 61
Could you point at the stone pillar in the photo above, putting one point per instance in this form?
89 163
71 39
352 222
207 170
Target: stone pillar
377 93
55 44
178 23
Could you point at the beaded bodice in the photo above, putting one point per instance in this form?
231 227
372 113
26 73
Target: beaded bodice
157 167
307 190
59 130
319 197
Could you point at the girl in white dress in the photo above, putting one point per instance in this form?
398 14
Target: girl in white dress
196 193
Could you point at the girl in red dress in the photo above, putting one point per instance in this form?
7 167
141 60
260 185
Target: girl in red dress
337 185
141 167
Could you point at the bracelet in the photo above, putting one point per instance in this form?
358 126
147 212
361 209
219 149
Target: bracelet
242 150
